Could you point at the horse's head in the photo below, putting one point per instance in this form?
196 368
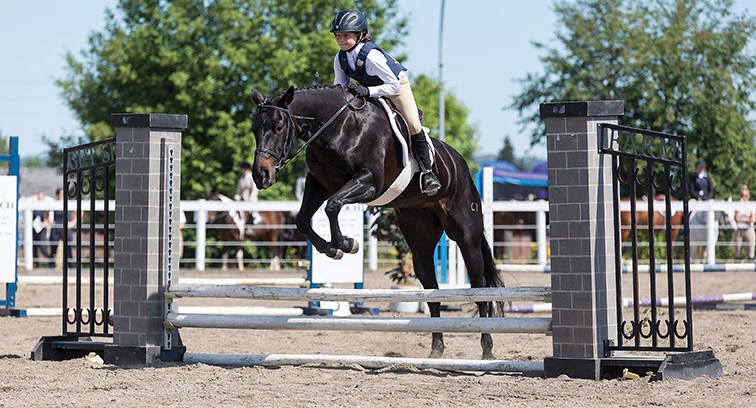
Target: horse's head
276 132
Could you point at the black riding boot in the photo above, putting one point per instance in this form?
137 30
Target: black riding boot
429 183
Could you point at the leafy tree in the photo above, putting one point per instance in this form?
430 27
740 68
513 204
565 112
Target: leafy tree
4 144
204 59
681 66
459 133
507 152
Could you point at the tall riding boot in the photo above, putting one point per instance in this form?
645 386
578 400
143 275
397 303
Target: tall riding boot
429 183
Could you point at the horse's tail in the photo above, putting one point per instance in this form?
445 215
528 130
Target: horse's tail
491 273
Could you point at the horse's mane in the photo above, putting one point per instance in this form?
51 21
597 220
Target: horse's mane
317 87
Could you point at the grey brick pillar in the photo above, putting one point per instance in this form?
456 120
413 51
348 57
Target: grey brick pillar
582 237
148 180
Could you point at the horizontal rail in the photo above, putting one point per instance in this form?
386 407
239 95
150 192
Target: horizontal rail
444 364
525 293
421 324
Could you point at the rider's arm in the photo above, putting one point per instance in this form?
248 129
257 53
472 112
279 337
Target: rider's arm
376 65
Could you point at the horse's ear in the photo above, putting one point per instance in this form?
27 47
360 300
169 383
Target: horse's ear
257 97
287 97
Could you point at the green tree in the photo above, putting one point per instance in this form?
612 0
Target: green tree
681 66
459 133
507 152
4 144
203 59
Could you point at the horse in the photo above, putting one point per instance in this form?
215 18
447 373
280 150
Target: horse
353 157
698 229
659 220
235 231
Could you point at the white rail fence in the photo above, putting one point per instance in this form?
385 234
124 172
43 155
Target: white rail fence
530 247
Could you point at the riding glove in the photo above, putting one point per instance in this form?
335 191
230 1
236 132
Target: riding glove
359 90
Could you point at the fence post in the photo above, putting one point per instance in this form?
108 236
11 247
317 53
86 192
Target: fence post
582 237
148 180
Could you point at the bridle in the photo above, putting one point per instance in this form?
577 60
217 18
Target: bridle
282 157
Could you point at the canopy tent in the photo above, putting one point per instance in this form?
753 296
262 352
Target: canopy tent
511 183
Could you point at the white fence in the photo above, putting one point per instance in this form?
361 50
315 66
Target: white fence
535 249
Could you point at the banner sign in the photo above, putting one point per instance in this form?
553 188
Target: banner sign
8 228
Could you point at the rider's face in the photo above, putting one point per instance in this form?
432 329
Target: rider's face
346 41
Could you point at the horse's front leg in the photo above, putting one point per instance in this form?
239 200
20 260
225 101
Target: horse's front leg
314 196
359 189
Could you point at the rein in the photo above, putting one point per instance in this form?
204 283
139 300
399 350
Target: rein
282 160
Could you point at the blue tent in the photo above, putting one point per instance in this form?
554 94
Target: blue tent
511 183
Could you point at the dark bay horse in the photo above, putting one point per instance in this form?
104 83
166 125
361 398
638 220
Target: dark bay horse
233 232
353 157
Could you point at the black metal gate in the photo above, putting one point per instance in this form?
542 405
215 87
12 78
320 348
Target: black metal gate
649 170
89 183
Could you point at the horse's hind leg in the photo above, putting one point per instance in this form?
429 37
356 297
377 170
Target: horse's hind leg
422 231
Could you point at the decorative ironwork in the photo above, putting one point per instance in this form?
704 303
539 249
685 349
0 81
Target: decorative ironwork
649 170
89 185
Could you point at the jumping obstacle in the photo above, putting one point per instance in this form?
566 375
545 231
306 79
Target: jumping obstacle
678 301
57 280
9 229
444 364
727 267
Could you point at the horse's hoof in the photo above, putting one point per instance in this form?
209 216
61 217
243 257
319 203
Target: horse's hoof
487 355
436 353
352 245
335 253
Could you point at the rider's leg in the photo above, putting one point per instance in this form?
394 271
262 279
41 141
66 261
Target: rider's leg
429 183
405 103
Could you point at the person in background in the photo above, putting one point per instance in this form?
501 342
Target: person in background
41 221
745 233
701 186
56 233
246 190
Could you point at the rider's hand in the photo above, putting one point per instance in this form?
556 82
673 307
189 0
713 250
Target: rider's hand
359 90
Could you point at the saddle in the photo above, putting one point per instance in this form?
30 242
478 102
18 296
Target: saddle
410 164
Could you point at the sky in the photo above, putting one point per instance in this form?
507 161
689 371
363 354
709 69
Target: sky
487 47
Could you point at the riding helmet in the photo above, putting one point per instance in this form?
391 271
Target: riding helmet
349 21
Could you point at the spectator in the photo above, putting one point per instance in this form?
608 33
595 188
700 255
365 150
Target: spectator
246 190
56 233
41 221
745 233
701 186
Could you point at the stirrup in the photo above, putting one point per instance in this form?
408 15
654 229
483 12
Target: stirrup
429 184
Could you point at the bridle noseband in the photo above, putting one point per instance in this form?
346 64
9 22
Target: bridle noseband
282 157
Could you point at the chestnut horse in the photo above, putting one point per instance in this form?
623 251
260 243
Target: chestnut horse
234 232
353 157
642 220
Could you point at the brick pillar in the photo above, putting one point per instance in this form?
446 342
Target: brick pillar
148 180
582 237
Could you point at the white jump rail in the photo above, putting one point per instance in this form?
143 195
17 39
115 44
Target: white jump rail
525 293
534 325
444 364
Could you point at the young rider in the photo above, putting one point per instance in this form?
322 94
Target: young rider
379 74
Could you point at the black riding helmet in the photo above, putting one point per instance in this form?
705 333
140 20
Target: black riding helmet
349 21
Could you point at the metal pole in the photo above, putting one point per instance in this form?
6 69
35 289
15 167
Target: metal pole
441 107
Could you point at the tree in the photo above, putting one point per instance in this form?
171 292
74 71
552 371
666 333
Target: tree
507 152
459 133
204 59
681 66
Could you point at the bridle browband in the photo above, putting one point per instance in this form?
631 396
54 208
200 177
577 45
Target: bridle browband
282 158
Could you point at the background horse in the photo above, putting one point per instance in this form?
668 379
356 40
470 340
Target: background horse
353 157
658 221
518 228
698 230
234 232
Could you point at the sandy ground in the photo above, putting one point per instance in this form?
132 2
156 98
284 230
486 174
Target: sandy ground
26 383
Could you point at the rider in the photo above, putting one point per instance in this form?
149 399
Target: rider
379 74
246 190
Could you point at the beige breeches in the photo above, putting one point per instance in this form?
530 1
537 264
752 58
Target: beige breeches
405 104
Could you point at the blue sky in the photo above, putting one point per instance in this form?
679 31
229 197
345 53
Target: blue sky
487 47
